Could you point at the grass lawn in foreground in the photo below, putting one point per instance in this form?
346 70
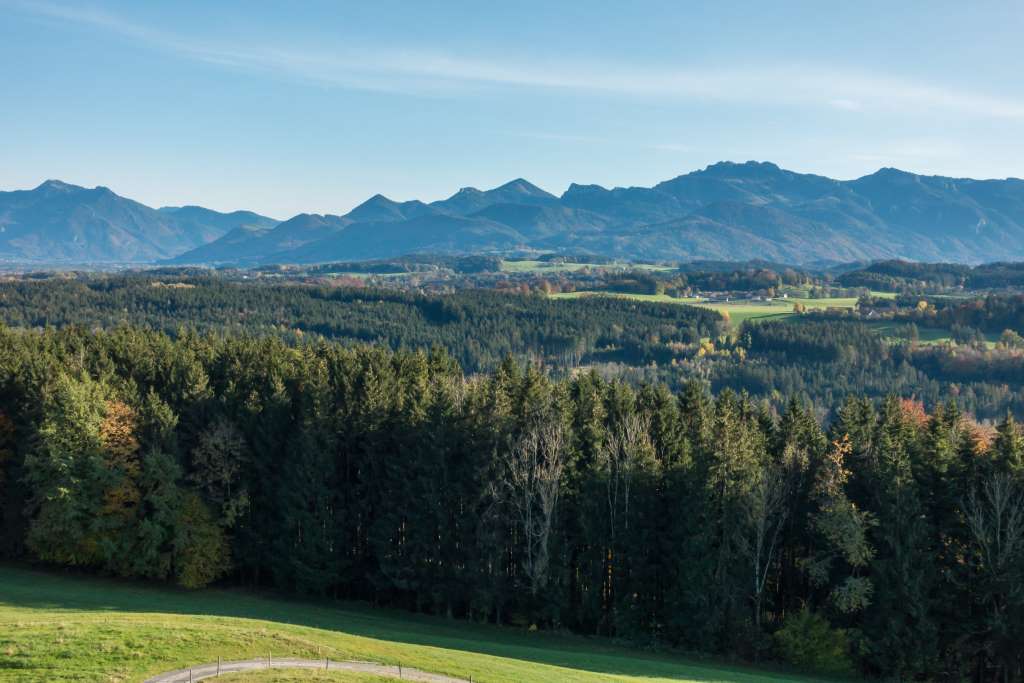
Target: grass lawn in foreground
294 676
56 627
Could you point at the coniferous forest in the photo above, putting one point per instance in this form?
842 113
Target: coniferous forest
303 376
821 361
888 542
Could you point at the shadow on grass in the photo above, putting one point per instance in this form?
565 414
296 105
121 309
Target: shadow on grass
21 587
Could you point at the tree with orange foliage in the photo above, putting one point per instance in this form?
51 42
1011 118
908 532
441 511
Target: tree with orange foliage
121 447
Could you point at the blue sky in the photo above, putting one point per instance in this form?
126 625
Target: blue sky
315 106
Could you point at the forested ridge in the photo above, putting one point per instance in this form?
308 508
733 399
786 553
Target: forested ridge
479 328
889 544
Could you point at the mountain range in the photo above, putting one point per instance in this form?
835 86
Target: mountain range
727 211
60 222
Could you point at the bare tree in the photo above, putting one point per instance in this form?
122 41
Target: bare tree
622 455
995 517
530 487
766 510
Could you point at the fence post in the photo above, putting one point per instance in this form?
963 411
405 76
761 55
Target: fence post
399 669
218 666
327 663
190 675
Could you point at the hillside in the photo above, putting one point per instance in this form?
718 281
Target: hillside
57 628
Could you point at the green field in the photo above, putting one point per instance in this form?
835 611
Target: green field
739 311
294 677
67 628
925 335
528 266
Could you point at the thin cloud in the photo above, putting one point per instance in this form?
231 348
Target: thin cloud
431 73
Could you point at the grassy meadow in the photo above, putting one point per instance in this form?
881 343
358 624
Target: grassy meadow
303 675
925 335
540 267
56 627
282 676
739 311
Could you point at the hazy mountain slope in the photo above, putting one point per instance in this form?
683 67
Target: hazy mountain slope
538 222
255 244
752 183
232 247
425 234
380 208
470 200
61 222
625 205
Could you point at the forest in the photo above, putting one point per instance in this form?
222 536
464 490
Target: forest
896 276
889 543
478 327
819 358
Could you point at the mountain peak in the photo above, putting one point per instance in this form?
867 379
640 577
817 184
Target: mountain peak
522 186
888 174
747 168
376 201
892 172
380 208
57 186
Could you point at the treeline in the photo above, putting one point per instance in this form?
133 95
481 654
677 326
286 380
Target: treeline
405 264
823 361
897 276
478 327
890 544
681 283
992 313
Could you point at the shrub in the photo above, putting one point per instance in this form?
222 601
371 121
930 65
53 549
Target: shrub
809 642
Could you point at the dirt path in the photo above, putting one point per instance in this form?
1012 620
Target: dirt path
203 671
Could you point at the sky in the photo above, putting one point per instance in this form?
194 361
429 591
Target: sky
288 107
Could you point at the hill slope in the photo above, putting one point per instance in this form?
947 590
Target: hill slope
57 628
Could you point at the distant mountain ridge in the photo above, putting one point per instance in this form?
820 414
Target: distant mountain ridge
726 212
57 221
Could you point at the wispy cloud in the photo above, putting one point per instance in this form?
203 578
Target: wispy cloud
425 72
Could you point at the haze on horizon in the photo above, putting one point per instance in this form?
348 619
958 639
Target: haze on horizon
252 105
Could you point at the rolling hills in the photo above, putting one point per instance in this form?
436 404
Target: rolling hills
67 628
